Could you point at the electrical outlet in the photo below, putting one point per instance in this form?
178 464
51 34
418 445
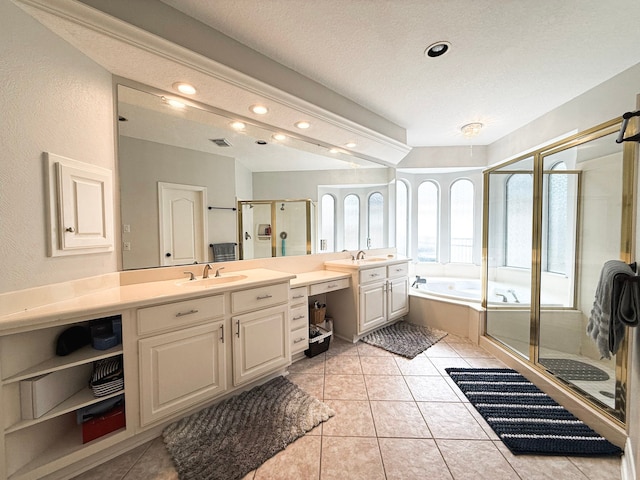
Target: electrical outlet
126 228
126 246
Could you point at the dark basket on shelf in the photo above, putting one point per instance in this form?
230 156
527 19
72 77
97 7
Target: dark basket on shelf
319 343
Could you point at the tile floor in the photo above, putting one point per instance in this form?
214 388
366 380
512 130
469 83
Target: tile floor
395 419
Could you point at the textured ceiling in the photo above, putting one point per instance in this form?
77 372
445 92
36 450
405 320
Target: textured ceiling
510 61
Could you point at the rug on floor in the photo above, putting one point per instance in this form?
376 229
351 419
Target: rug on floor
569 369
230 439
404 338
526 419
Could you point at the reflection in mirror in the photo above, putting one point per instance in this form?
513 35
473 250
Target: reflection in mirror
183 170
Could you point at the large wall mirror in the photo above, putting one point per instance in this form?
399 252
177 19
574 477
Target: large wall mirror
186 174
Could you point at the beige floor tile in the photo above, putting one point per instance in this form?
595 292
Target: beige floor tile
366 350
339 346
116 468
353 418
470 350
421 365
430 389
441 349
541 467
387 387
461 396
606 468
345 387
379 366
398 419
453 338
155 464
311 383
484 362
343 365
451 420
351 458
475 460
309 365
482 422
301 459
412 459
449 362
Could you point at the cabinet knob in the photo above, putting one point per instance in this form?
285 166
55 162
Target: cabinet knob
70 229
167 254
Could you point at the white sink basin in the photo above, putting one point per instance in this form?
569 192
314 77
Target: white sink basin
211 281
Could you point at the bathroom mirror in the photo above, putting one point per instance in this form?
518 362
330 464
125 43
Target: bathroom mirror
168 152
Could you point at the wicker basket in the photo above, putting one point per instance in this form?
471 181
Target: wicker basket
316 315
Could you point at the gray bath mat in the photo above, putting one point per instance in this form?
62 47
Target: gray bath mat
230 439
569 369
404 338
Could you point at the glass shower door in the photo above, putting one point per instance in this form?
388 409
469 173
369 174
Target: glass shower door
508 240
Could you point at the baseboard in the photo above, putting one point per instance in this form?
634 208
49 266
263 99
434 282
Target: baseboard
628 464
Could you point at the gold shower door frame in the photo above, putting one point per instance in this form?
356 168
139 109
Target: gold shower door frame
630 154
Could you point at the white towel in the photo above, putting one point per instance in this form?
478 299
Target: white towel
607 330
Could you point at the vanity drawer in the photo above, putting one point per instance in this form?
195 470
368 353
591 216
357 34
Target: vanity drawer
299 340
179 314
298 295
373 274
330 286
398 270
261 297
299 317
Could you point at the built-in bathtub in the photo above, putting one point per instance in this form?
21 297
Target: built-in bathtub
470 290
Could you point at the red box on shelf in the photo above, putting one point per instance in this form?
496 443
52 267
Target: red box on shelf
108 422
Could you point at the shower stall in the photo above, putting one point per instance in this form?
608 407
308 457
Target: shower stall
552 218
275 228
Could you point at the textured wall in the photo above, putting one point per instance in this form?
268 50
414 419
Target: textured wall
57 100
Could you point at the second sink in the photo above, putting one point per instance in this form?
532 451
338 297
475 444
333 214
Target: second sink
211 281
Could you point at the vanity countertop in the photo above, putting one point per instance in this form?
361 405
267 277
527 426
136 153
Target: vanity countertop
318 276
122 297
367 262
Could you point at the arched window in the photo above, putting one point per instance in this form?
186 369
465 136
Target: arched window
461 222
375 223
328 223
351 222
402 217
428 207
557 220
519 213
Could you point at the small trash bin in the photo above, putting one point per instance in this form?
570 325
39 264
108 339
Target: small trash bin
319 339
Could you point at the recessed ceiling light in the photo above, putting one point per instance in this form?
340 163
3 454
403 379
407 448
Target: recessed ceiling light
471 129
261 142
279 137
350 144
303 124
334 150
437 49
238 125
259 109
173 102
185 88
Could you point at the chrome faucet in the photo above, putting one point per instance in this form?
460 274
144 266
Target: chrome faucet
352 257
205 273
360 255
218 271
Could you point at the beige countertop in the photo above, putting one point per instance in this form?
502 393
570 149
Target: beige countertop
318 276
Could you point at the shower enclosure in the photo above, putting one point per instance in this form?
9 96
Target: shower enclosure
552 218
275 228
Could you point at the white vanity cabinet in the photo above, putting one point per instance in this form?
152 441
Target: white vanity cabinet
299 319
261 335
182 360
397 291
373 298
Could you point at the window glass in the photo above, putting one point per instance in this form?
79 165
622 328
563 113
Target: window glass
519 213
376 221
327 225
351 222
428 207
402 217
557 221
461 222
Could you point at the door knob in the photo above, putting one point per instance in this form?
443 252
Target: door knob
70 229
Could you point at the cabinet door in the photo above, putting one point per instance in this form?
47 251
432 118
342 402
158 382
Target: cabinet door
398 293
180 369
260 343
373 306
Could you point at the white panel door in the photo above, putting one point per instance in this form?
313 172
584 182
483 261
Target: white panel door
182 224
180 369
373 306
398 297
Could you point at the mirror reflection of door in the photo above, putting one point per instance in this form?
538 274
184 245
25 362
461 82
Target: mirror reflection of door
182 223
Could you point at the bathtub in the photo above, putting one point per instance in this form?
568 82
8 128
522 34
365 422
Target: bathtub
470 290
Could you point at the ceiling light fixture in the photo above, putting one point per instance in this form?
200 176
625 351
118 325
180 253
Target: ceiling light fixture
259 109
303 124
238 125
351 145
471 129
185 88
279 137
437 49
